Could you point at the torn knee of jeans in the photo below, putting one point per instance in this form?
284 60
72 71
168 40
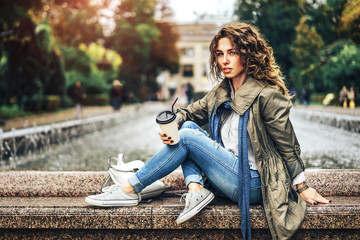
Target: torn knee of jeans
198 132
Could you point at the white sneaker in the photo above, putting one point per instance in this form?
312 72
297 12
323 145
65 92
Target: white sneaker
114 197
194 202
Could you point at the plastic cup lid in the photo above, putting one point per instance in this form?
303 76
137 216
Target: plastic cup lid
165 117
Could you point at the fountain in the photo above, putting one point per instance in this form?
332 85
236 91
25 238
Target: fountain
50 204
86 144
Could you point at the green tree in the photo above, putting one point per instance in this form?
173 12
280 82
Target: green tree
307 47
350 21
341 67
74 21
144 44
33 66
276 20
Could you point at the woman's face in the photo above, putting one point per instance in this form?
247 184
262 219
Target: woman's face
228 59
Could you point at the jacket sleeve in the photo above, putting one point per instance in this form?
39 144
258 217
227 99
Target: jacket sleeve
196 112
275 109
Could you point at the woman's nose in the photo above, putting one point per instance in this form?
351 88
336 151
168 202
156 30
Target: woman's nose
225 59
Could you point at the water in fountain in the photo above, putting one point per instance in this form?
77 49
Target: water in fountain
135 135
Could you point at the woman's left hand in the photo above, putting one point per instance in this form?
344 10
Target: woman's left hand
311 196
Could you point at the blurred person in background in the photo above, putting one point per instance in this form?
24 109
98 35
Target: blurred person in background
116 95
343 97
79 96
351 98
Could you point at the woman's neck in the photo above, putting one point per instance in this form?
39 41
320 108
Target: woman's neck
238 81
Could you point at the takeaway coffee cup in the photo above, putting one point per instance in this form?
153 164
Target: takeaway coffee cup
168 124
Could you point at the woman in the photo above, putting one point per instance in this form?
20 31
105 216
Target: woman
253 155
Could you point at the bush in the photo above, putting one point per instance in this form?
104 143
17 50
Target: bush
51 102
317 97
13 111
97 99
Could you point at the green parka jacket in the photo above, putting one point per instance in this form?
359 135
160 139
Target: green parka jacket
276 149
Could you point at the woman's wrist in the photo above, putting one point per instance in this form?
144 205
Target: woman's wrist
301 187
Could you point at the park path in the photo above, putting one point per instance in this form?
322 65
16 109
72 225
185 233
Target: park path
91 111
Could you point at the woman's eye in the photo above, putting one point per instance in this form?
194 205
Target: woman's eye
219 54
233 53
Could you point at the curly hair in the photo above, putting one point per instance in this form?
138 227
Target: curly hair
255 53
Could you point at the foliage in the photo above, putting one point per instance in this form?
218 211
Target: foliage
76 60
100 55
12 111
93 65
33 66
276 20
144 45
45 46
74 21
310 39
350 20
342 68
306 48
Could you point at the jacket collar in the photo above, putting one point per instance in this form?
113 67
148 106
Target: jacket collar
244 96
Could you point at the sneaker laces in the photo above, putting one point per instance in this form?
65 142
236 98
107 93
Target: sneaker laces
187 202
111 189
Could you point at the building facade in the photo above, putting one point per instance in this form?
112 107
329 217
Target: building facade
194 53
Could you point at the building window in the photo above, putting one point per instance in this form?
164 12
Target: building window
188 52
205 69
188 70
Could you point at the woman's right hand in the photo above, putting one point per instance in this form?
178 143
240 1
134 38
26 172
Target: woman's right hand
165 139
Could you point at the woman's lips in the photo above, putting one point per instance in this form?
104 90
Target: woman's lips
226 70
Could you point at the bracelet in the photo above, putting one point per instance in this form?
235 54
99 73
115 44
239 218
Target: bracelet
303 188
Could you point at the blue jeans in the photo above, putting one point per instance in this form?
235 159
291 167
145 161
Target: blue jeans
198 154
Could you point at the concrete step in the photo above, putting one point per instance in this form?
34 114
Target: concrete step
51 205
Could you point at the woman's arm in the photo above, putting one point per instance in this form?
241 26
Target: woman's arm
196 112
275 113
275 109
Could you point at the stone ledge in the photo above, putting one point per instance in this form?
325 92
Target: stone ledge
74 213
43 204
83 183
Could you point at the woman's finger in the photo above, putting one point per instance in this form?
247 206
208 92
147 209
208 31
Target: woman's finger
165 139
321 199
311 196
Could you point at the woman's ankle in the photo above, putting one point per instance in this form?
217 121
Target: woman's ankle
127 188
195 187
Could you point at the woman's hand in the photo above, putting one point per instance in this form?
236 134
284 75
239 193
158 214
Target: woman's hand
311 196
165 139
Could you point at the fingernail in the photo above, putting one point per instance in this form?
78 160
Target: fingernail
172 141
315 203
169 137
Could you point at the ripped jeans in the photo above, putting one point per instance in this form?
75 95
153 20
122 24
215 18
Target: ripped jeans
198 154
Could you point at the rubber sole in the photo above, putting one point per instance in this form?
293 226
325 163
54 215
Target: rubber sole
112 203
196 209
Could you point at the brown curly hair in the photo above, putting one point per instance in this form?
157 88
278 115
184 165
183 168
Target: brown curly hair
255 53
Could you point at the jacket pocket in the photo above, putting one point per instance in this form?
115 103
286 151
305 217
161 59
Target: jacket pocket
278 198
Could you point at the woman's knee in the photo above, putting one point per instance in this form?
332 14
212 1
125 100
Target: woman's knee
189 124
189 134
186 133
